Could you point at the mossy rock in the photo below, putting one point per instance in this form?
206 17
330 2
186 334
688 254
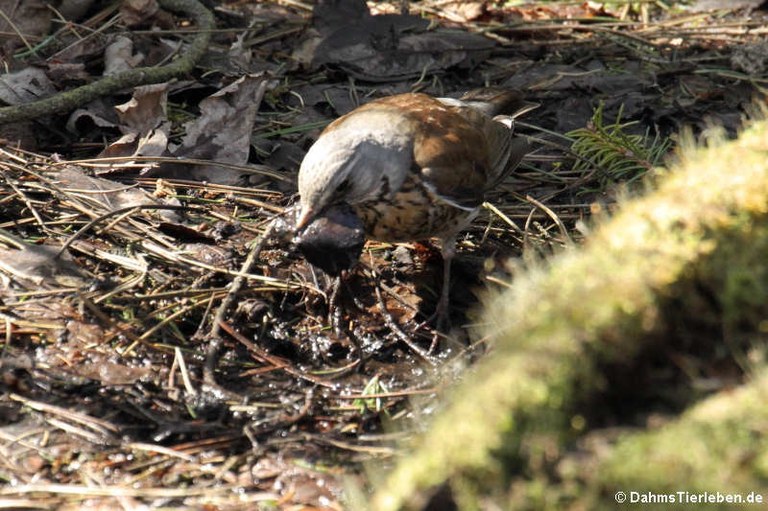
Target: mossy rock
676 283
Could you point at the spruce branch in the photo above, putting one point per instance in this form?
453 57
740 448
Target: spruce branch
620 156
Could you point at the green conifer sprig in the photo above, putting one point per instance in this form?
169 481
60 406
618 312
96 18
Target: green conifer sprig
615 153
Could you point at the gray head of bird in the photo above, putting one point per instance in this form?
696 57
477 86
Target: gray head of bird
352 163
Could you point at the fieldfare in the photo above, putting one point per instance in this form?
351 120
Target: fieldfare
406 168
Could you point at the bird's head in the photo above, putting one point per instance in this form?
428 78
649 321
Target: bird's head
338 169
324 180
361 156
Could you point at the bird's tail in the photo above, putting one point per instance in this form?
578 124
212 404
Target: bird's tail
494 101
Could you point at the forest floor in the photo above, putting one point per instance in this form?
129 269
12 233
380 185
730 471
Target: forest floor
177 355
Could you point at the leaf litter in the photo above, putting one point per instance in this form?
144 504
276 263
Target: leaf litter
160 193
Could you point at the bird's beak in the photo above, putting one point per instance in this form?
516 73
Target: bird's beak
306 216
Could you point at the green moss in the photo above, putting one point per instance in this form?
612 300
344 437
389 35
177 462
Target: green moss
717 446
699 238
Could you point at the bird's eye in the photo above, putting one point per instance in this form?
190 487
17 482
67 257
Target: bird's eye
343 187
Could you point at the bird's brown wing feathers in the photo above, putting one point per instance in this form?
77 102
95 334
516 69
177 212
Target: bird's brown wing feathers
459 150
456 167
463 170
507 152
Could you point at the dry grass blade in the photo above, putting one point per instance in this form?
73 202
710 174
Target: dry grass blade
99 426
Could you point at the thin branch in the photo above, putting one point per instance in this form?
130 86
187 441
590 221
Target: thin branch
69 100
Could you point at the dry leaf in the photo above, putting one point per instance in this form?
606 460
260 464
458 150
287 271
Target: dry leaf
153 143
144 123
31 18
330 15
463 11
25 86
114 195
67 72
98 113
135 12
38 266
386 47
146 110
226 120
222 133
119 57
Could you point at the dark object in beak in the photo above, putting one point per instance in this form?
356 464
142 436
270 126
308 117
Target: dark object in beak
334 240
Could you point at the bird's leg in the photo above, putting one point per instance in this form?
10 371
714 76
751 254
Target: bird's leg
339 286
334 310
448 250
335 314
441 317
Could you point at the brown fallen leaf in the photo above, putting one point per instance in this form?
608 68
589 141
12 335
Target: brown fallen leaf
144 122
146 110
114 195
67 72
135 12
221 134
31 18
119 56
462 11
97 113
36 266
25 86
386 47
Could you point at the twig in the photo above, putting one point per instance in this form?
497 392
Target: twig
398 331
116 212
214 337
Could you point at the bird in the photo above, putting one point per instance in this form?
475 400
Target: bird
403 168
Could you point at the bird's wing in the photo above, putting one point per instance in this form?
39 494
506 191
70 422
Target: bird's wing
462 170
506 151
458 149
493 101
456 168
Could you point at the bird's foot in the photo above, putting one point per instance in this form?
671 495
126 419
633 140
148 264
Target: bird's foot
438 324
334 310
441 318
